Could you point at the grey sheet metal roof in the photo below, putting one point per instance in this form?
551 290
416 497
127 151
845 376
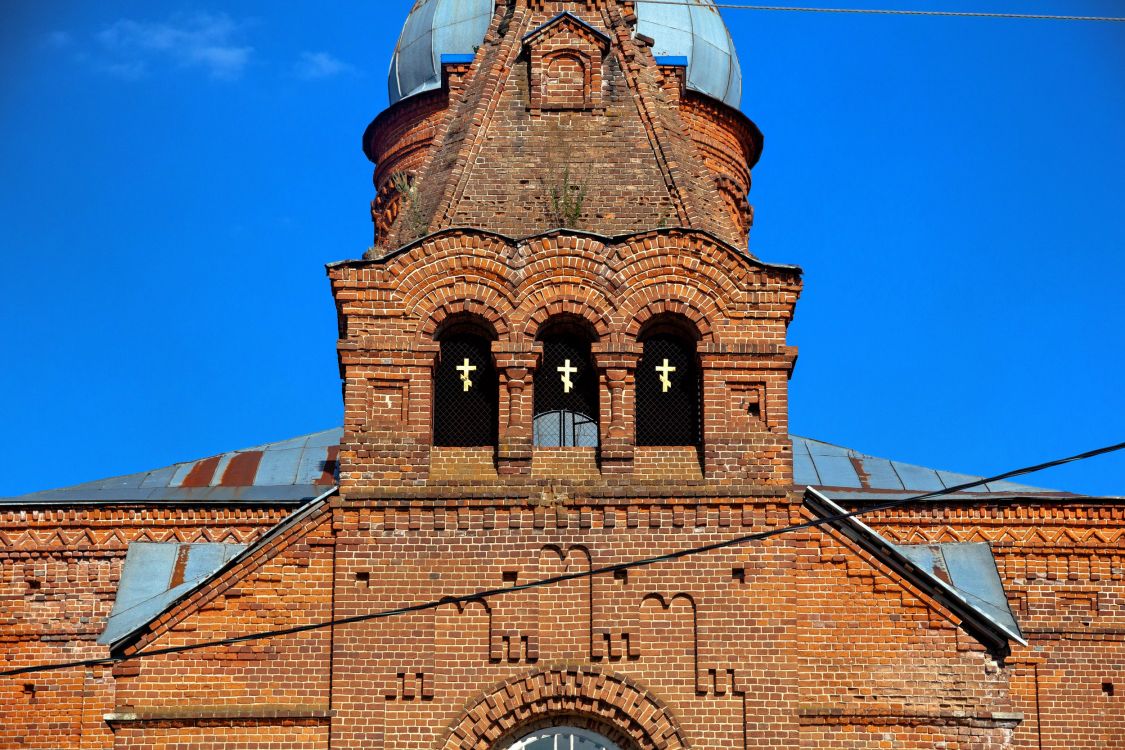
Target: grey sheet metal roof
695 31
299 469
819 464
962 577
435 28
971 569
155 575
289 471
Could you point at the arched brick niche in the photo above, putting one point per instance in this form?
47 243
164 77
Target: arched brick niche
582 697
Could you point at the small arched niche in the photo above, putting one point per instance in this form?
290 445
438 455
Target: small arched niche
466 386
668 383
566 385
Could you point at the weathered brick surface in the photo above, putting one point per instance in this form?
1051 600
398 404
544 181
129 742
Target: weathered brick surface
59 570
1063 566
392 309
803 640
583 104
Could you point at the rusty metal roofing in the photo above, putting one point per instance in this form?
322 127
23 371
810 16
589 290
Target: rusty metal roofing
155 575
289 471
297 470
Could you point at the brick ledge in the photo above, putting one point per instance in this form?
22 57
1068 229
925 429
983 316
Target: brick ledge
127 715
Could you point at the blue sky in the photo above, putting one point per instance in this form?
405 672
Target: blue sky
177 175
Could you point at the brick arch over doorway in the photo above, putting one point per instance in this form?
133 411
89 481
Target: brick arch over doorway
585 697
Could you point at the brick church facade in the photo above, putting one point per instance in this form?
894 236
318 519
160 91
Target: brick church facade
559 356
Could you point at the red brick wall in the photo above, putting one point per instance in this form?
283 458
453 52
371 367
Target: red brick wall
509 130
1063 566
795 641
390 311
59 570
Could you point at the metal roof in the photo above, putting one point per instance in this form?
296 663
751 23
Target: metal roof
435 28
289 471
962 577
819 464
301 468
155 575
971 569
695 31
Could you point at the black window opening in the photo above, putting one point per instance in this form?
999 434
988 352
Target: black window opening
465 393
566 395
667 380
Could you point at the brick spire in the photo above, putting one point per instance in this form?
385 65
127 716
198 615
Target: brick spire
564 118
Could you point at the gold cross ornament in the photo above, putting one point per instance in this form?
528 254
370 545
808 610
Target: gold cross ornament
465 369
567 370
665 371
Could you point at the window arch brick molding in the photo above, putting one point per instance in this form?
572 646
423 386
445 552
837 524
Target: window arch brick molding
391 308
585 697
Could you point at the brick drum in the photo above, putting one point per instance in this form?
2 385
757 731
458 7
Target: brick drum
565 179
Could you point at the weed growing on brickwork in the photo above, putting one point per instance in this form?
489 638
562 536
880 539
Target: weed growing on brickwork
567 200
413 224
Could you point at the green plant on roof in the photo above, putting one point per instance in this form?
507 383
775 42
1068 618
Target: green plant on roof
567 201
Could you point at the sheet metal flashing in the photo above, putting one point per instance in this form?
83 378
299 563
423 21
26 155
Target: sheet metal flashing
565 14
992 622
139 617
157 573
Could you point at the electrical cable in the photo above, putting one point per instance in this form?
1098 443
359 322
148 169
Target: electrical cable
629 565
898 12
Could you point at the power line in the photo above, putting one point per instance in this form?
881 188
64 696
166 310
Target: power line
898 12
488 593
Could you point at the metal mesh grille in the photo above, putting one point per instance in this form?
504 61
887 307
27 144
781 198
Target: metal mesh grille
667 393
566 395
465 393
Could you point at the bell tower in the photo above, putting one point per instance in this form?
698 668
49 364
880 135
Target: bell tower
560 353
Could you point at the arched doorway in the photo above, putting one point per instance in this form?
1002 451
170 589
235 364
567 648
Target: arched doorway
563 738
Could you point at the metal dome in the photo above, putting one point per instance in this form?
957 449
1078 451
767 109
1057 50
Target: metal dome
697 32
435 28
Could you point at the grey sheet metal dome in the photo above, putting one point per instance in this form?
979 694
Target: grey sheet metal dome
697 32
456 27
435 28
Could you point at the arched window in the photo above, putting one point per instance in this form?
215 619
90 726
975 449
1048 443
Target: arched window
564 738
465 389
566 389
667 380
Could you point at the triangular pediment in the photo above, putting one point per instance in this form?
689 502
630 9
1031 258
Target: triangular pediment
567 22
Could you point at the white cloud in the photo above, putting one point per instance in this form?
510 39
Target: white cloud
315 65
201 40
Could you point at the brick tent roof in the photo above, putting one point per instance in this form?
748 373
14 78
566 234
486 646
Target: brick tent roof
301 468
